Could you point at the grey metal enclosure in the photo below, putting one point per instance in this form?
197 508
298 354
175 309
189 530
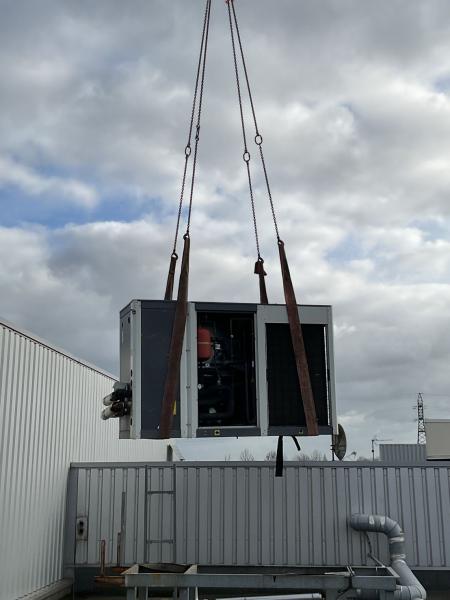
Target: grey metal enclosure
240 514
403 453
238 374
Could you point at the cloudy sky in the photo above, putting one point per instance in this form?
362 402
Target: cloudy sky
353 102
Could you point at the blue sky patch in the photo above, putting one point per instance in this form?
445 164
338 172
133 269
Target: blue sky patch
18 208
442 84
347 250
432 229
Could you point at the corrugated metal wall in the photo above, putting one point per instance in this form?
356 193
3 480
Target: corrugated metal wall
235 514
50 407
403 453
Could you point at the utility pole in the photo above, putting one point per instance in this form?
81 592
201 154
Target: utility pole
421 434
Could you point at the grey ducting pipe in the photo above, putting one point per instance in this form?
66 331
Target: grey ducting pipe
410 587
312 596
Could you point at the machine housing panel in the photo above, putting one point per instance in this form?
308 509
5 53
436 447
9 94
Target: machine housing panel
237 372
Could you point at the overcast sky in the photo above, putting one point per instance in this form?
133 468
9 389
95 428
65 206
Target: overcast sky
353 103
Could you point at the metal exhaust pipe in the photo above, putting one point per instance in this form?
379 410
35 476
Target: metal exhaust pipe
410 587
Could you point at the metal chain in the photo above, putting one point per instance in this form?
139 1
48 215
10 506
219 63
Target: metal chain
246 155
258 136
188 150
199 113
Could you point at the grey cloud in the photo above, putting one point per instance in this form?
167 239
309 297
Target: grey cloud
356 141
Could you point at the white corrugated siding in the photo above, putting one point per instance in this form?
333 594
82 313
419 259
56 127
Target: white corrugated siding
50 407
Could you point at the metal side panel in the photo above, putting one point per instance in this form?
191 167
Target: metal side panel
188 377
125 363
277 375
156 322
240 514
136 370
329 329
438 439
402 453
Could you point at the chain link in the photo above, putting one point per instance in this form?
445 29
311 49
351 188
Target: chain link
246 155
199 114
258 137
188 149
198 94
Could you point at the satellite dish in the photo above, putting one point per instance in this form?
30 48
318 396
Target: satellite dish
340 443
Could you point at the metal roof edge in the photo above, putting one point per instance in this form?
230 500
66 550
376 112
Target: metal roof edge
287 464
50 346
222 302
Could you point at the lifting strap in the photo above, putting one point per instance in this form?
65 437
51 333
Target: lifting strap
171 276
259 270
280 458
298 344
176 346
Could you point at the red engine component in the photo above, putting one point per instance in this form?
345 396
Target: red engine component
204 344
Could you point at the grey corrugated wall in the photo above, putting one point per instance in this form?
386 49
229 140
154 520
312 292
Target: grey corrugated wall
231 513
50 407
403 453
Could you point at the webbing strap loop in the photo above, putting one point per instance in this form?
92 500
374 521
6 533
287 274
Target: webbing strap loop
280 458
298 344
171 276
176 346
259 270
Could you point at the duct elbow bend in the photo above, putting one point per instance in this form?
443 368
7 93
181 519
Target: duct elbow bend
382 524
378 524
409 593
410 588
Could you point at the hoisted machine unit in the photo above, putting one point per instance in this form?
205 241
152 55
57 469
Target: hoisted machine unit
237 374
198 369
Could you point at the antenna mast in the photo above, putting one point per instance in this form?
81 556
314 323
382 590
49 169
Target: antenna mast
421 434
